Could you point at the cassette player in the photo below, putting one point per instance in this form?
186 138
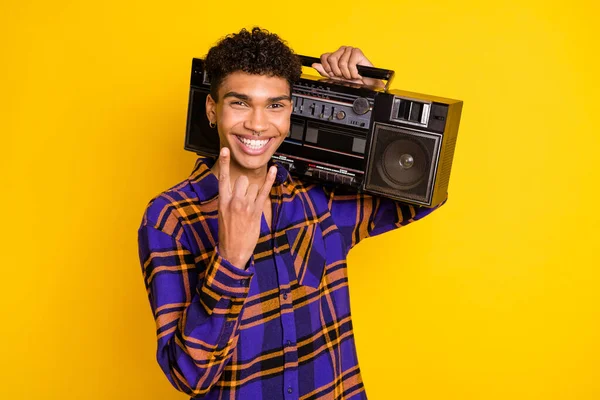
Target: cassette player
391 143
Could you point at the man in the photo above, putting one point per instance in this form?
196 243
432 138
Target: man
246 273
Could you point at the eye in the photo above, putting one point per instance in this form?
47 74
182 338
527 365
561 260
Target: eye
238 103
276 105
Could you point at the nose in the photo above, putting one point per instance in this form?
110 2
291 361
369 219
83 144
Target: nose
257 121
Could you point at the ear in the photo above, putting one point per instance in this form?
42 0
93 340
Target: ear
211 109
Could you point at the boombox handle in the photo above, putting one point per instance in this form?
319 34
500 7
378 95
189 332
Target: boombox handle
368 72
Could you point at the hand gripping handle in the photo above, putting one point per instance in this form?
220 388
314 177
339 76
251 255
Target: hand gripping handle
363 70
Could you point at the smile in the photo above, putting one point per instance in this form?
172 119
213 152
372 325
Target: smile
253 143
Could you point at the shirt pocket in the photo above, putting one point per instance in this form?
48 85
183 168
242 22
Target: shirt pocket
307 250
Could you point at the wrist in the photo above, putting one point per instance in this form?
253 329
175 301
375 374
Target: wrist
236 261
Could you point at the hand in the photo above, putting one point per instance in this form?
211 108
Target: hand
240 212
342 63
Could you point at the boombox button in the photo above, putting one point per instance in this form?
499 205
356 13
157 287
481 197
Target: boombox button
340 115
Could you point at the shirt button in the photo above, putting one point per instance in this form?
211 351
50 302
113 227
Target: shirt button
290 390
242 282
289 342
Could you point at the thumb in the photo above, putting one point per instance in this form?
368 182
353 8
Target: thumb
320 70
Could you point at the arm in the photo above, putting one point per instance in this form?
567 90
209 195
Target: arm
359 215
196 306
197 300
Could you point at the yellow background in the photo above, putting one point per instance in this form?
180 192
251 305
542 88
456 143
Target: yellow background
495 296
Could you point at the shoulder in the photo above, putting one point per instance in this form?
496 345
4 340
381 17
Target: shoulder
307 189
325 192
314 200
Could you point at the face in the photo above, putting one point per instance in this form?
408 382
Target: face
249 105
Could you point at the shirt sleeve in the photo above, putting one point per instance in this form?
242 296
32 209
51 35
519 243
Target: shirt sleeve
196 305
360 215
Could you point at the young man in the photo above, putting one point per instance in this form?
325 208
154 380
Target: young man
244 264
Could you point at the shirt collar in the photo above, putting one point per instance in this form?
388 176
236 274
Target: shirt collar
206 184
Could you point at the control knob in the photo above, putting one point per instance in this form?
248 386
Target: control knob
361 106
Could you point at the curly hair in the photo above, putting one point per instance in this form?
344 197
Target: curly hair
257 52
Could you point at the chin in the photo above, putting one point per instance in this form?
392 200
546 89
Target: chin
252 162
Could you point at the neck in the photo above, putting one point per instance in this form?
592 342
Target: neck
256 176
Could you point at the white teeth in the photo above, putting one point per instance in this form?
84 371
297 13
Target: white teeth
253 144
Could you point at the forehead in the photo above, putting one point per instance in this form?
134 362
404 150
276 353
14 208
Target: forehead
255 86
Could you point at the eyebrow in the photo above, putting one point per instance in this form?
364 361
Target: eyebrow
247 98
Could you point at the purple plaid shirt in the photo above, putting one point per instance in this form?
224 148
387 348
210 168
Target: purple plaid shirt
281 328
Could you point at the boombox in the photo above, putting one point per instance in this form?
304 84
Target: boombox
390 143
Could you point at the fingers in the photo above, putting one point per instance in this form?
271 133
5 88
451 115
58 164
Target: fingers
325 63
252 192
343 63
332 61
357 58
266 187
320 69
224 184
240 187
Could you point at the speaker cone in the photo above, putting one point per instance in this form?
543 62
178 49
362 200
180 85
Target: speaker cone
405 163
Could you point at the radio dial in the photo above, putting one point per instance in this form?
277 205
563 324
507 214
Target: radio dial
361 106
340 115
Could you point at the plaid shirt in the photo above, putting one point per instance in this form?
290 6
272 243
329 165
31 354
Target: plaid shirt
281 328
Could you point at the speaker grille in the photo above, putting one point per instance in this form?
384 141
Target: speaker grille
402 163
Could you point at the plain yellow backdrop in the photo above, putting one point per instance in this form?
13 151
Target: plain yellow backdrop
494 296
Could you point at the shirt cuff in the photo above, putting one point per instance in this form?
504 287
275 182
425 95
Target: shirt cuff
224 279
